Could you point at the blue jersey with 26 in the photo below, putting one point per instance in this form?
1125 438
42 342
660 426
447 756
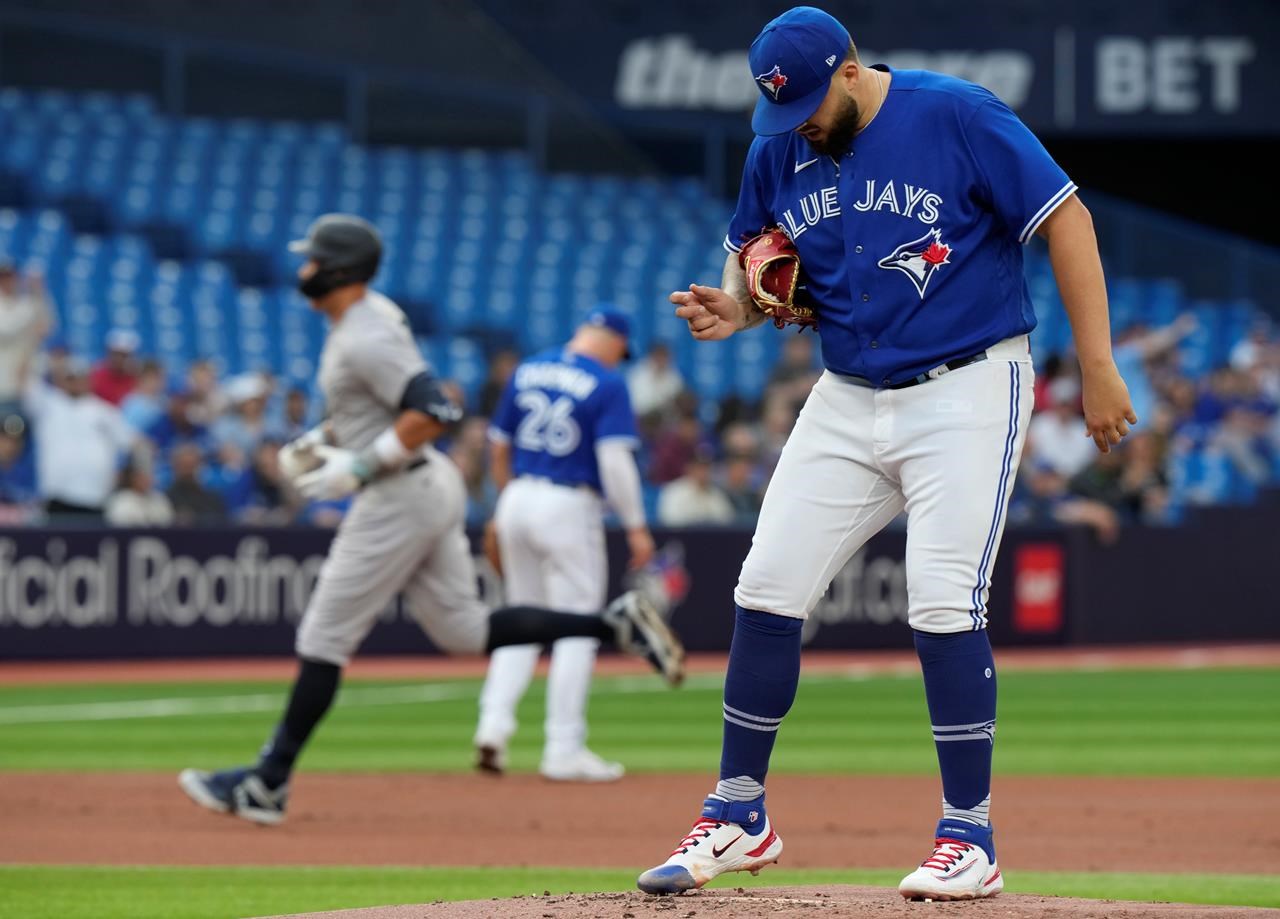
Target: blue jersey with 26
557 406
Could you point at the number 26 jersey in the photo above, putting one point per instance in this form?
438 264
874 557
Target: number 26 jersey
556 408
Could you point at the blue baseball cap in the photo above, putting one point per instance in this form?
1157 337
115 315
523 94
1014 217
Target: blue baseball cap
792 60
613 319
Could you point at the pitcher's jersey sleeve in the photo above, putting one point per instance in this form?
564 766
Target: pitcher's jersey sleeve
1021 180
385 359
616 420
753 212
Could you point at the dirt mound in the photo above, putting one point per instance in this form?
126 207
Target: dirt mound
834 902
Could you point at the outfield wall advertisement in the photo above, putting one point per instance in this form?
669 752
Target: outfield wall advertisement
84 594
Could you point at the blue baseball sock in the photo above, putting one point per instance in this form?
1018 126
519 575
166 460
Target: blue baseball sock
960 685
759 687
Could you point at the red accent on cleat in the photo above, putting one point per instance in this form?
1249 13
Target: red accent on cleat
760 849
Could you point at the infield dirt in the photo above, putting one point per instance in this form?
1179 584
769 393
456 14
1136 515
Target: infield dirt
1060 824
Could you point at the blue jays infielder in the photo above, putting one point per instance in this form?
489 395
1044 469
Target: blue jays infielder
562 438
909 195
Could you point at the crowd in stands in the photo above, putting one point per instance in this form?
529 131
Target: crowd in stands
133 443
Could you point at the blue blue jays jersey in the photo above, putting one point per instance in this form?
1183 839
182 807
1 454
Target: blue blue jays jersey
911 244
556 408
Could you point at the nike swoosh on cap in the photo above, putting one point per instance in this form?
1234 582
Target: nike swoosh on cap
806 165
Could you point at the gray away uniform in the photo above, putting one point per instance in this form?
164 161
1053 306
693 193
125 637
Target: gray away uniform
404 531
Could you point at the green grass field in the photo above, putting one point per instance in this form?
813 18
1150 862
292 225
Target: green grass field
43 892
1188 722
1125 723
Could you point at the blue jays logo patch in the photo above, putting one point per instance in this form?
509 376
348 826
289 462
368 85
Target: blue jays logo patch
773 81
919 259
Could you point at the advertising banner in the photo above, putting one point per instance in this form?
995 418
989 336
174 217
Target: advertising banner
79 594
1138 70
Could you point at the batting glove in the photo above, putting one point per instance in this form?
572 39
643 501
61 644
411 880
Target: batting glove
343 473
299 457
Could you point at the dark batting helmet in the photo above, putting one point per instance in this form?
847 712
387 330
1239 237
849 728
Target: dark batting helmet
346 248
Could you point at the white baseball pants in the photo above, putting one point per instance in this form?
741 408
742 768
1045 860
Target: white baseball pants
946 451
553 555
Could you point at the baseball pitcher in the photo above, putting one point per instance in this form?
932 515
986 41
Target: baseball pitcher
404 531
903 200
566 431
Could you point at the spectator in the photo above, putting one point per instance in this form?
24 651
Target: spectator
117 373
501 366
19 499
245 424
692 499
1041 497
193 503
25 315
777 419
1144 484
207 401
735 409
654 382
1251 350
1130 480
138 503
1242 437
740 439
271 500
144 406
1266 372
51 364
794 374
742 486
295 420
1057 436
79 441
230 477
1136 348
468 452
742 477
178 424
675 446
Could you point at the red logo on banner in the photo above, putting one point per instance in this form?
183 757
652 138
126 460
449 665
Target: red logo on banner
1037 589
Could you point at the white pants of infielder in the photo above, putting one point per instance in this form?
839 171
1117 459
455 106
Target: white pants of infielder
946 451
553 554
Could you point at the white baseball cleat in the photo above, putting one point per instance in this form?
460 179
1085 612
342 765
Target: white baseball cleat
958 869
715 847
582 766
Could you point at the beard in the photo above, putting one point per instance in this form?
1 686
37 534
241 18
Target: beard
844 126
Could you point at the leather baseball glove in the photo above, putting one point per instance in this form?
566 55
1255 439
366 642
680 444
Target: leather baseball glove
772 265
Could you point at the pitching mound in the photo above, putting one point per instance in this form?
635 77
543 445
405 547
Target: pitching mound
833 902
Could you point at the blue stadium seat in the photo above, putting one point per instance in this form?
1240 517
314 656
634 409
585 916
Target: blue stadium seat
478 244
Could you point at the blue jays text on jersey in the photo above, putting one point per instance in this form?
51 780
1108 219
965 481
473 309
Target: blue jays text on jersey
910 244
555 409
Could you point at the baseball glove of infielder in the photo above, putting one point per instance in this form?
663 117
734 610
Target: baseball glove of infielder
772 265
